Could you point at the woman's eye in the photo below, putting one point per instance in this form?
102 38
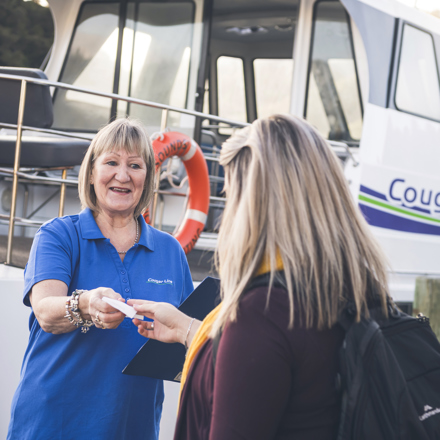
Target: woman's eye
135 166
111 163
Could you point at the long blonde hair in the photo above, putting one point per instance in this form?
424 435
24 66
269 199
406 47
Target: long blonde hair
287 196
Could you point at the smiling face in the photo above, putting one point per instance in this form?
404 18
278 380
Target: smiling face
118 179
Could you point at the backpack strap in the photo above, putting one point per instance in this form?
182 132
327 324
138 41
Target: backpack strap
347 318
348 315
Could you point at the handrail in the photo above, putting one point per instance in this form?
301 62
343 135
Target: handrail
40 178
346 148
22 221
17 172
20 127
48 131
125 98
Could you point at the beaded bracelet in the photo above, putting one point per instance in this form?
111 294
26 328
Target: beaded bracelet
72 312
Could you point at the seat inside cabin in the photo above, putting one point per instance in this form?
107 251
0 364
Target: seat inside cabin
42 154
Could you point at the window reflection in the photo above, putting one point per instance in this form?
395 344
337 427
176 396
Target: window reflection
418 89
154 62
343 72
273 77
90 64
138 53
161 73
333 100
231 91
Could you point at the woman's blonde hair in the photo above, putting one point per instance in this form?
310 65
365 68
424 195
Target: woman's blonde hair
121 134
287 196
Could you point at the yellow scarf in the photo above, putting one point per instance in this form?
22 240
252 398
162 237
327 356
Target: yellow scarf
205 328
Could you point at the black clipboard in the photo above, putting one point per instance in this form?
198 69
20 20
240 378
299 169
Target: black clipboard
165 361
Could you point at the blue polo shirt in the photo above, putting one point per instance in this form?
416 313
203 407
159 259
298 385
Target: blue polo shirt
72 385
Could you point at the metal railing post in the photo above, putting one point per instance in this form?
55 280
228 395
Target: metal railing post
163 126
16 168
62 194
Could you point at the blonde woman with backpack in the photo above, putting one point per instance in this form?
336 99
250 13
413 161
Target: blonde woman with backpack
293 248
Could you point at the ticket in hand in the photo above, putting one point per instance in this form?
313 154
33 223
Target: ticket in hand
124 308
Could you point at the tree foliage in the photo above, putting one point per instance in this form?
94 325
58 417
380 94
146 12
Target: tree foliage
26 33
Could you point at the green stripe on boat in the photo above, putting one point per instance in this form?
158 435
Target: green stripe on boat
397 209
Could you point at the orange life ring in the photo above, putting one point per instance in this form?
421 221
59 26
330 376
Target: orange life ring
170 144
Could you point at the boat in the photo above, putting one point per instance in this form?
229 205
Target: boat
365 73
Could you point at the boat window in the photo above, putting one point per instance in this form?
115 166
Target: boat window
231 92
260 33
333 97
156 58
418 89
90 64
273 77
153 62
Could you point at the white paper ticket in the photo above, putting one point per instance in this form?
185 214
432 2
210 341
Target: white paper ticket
124 308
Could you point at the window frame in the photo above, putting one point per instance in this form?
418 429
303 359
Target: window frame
122 21
354 142
399 56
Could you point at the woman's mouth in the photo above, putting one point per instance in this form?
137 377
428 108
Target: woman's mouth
120 190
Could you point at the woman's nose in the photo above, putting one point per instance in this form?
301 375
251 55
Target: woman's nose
123 174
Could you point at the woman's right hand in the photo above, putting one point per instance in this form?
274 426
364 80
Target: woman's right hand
169 324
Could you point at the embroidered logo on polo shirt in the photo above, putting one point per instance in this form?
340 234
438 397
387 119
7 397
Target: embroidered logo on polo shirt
160 282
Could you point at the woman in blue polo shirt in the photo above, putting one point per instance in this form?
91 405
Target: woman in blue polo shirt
71 384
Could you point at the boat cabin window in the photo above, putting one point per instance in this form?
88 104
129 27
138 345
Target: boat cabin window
418 89
151 61
254 40
231 92
90 64
333 102
273 80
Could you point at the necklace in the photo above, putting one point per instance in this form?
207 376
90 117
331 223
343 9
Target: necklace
135 240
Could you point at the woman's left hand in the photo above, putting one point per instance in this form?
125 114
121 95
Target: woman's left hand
48 300
101 313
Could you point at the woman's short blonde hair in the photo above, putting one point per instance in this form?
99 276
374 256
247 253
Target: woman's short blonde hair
288 198
121 134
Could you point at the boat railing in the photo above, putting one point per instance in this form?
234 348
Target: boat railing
21 174
18 173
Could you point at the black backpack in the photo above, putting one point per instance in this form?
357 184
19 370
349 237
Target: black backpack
390 378
389 375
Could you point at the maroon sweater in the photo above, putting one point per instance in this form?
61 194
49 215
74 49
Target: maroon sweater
269 383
